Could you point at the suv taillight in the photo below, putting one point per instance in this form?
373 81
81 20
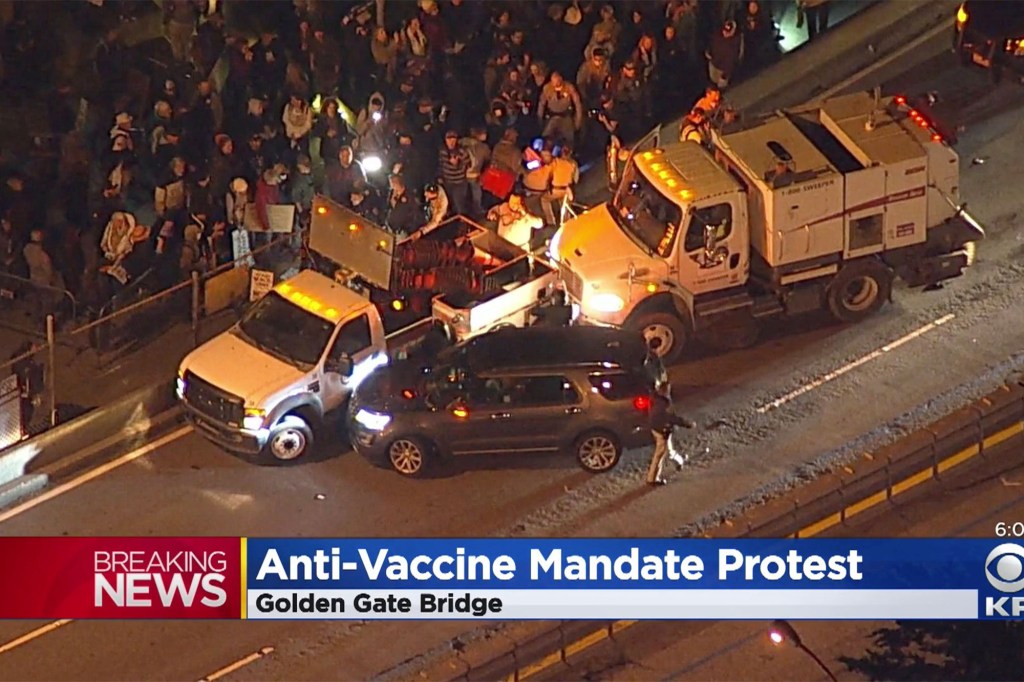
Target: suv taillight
642 403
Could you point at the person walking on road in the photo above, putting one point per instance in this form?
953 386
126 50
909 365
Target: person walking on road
663 420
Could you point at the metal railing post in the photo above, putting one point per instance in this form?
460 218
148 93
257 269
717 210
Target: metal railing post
195 308
51 374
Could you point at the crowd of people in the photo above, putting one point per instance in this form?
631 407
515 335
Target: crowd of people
447 107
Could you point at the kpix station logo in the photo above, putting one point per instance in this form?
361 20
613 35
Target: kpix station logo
1004 569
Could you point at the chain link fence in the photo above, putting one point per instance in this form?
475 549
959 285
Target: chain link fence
135 341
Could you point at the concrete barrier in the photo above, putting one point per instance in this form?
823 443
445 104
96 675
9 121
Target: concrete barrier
121 425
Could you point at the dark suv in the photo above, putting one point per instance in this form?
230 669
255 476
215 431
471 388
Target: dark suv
991 35
580 390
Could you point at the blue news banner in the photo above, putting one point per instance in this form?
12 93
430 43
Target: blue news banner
568 579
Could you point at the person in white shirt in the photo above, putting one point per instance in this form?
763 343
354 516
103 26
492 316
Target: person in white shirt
437 209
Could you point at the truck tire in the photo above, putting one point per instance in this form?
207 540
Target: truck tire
665 333
859 290
290 439
410 456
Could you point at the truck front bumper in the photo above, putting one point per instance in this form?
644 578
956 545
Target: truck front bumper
232 439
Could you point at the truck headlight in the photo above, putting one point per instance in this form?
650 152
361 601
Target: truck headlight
373 421
606 303
179 384
253 418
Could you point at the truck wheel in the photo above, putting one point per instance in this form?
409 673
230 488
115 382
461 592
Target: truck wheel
858 290
665 334
290 438
597 451
410 456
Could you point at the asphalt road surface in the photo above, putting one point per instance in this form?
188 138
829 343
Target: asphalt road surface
967 504
901 369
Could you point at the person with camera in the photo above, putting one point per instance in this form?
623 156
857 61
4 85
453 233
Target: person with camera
663 421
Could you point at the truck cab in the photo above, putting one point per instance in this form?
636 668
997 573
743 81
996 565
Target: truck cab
263 387
817 207
653 235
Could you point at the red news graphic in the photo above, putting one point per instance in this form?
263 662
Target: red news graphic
82 578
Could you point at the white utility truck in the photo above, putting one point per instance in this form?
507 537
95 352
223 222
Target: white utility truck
820 207
263 387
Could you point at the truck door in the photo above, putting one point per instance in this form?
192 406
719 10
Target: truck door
355 340
714 253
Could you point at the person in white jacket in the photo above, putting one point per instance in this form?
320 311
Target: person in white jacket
437 209
298 122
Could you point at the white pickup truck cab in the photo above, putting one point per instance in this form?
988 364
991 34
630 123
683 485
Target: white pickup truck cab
263 387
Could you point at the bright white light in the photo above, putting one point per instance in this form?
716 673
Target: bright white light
776 637
181 388
376 116
252 422
373 420
372 164
606 303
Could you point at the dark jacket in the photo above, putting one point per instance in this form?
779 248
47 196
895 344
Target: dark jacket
662 417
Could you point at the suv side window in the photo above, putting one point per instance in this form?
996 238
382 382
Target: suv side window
353 337
620 386
542 391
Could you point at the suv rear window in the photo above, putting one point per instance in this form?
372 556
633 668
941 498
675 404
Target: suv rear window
620 386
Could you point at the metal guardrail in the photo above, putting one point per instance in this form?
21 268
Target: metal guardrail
15 288
69 362
925 455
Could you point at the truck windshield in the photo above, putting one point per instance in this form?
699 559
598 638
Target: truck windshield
283 329
646 215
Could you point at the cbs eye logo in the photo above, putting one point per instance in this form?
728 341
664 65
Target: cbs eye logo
1004 568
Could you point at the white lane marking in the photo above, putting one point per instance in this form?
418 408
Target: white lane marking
29 636
903 50
792 395
94 474
239 664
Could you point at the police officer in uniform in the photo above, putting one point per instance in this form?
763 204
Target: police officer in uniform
663 420
565 173
537 179
560 109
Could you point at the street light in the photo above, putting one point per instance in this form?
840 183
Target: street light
781 631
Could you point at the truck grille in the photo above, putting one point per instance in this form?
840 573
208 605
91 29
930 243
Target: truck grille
212 402
573 283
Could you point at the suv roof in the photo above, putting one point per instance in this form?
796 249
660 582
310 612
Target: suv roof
537 347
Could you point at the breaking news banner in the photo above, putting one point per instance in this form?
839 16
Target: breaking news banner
510 579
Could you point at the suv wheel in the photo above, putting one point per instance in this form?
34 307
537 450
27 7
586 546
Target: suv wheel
409 456
289 439
597 451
